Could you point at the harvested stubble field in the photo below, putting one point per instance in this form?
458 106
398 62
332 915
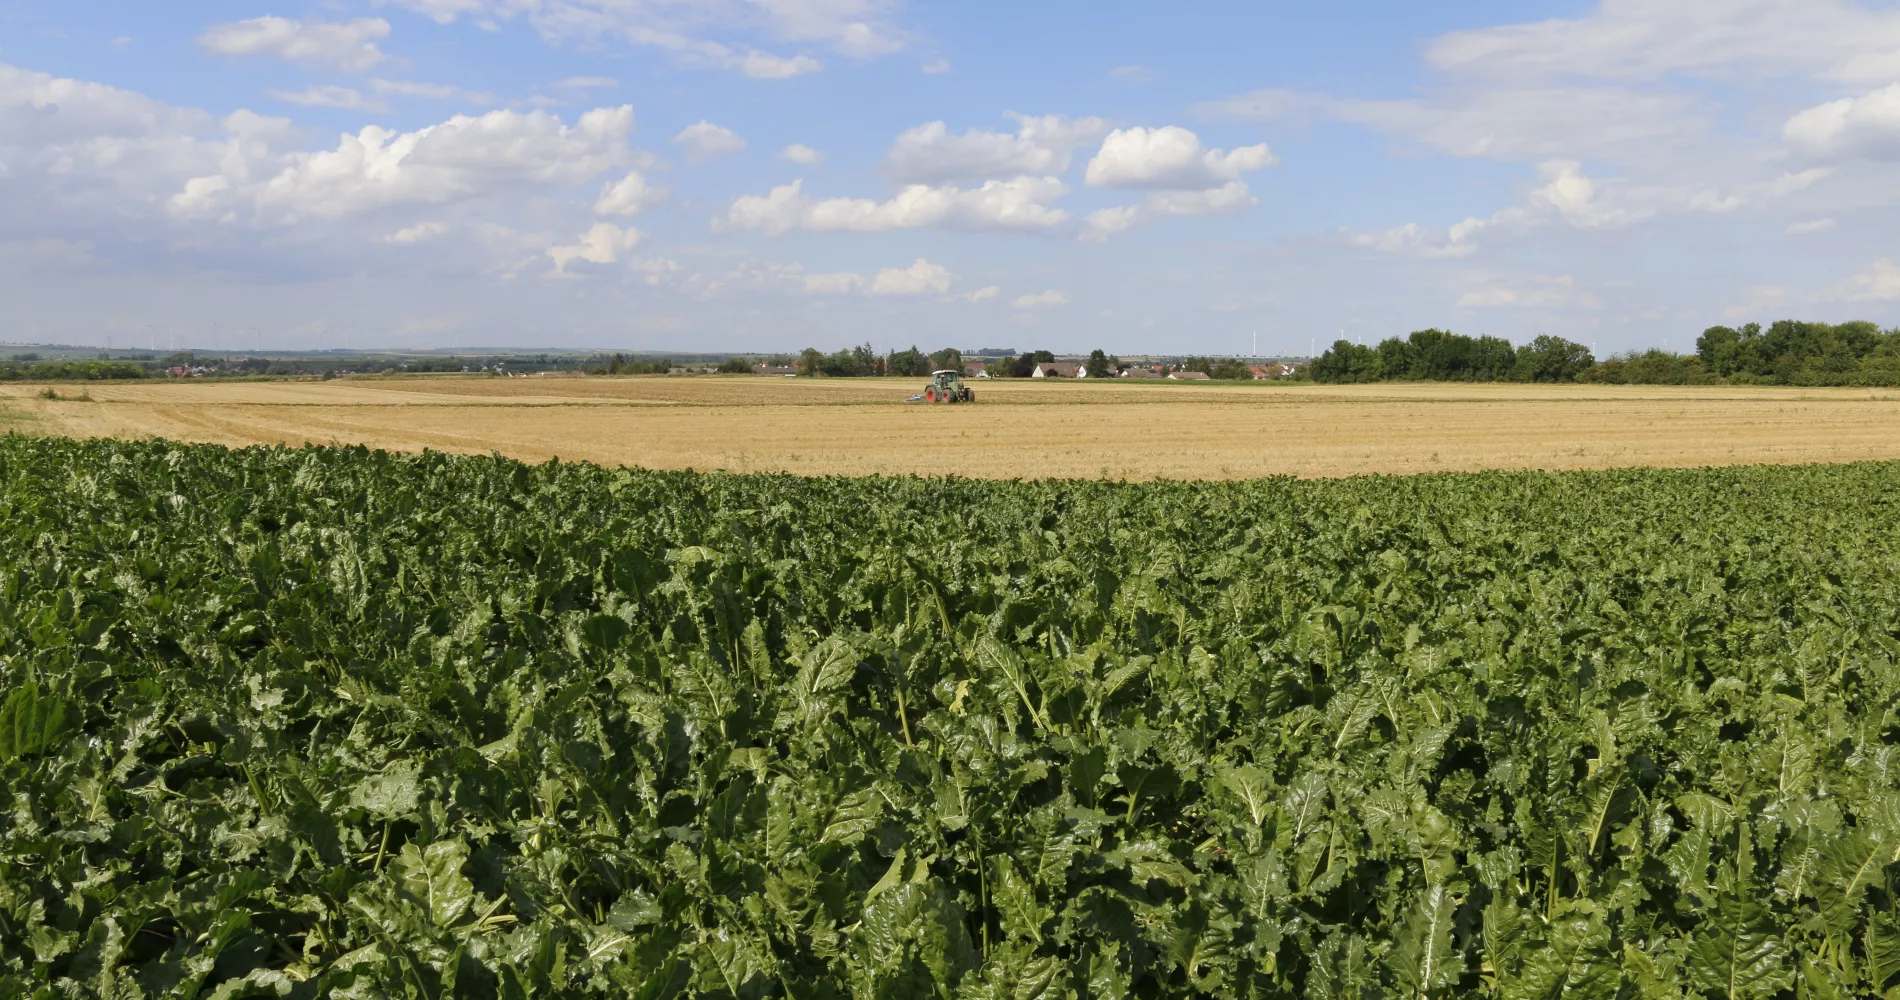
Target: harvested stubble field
1016 429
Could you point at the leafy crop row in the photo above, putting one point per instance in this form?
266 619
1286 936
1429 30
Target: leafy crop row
338 723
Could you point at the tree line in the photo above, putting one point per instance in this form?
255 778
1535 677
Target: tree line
862 361
69 371
1789 352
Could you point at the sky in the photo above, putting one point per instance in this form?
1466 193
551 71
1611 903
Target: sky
767 175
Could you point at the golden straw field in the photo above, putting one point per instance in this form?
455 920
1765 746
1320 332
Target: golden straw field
1014 430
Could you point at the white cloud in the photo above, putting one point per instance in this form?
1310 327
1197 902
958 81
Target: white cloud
460 158
1866 126
920 278
1133 74
348 45
832 284
1020 204
585 83
1170 158
705 140
930 154
765 66
433 92
1051 299
1234 196
1413 240
1879 283
603 244
1810 227
75 153
984 294
854 28
419 233
936 67
629 196
1506 123
801 154
1651 39
340 98
1574 196
1106 222
446 11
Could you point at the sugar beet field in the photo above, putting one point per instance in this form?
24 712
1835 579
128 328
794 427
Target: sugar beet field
332 722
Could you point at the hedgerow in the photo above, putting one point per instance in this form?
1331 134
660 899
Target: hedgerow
330 722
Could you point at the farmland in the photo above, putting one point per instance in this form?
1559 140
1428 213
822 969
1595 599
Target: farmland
335 722
1016 429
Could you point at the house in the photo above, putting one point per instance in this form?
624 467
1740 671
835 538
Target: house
1138 372
1190 377
976 369
776 370
1055 369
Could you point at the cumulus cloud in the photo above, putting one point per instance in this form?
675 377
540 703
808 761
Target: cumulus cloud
1104 223
461 158
1414 240
419 233
801 154
78 153
705 140
603 244
1170 158
346 45
1234 196
1576 198
1866 126
920 278
1879 283
1810 227
984 294
1020 204
1051 299
931 154
629 196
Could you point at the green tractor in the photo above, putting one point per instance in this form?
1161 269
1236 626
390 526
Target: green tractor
947 387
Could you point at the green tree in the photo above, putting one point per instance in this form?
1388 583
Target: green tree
811 361
1398 358
948 358
909 362
1100 365
1553 359
1346 362
736 366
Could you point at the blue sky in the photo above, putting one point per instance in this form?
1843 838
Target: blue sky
760 175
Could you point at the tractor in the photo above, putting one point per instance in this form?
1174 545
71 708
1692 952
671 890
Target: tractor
947 387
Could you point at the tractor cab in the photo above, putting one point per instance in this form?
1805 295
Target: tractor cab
947 386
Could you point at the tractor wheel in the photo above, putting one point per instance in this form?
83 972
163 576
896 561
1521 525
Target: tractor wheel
930 395
969 396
